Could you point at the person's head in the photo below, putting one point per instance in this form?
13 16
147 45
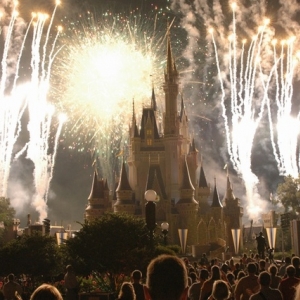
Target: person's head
46 292
136 275
11 277
126 292
186 261
230 278
273 270
220 290
240 275
290 271
69 268
225 268
264 279
166 279
262 264
251 268
215 273
288 260
204 274
260 234
193 276
296 261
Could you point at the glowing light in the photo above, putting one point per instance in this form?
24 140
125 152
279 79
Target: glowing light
285 141
33 97
242 114
104 70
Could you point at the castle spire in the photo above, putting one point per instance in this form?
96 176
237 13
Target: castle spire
171 93
133 112
124 194
133 130
229 192
193 146
123 183
94 186
153 100
171 67
186 179
202 177
182 109
216 200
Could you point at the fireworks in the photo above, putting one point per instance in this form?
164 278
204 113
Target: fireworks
285 147
106 65
248 74
33 97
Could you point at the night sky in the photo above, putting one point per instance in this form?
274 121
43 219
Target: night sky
73 171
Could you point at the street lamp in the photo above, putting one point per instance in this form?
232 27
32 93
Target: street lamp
165 230
150 211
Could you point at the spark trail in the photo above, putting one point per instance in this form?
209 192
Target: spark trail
249 76
245 114
285 131
11 109
40 111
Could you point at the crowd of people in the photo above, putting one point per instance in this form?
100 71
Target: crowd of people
173 278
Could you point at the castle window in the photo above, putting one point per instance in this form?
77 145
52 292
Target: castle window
149 142
149 132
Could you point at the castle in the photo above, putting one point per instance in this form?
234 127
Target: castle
166 161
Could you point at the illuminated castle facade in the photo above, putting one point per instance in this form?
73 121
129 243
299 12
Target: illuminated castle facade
167 161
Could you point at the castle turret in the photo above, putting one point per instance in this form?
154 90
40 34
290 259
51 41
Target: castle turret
203 191
134 133
233 213
187 206
124 193
192 159
98 200
216 203
153 100
172 139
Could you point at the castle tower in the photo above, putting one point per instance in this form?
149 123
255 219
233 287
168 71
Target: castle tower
203 192
233 214
163 157
192 160
134 133
153 100
216 214
172 141
187 206
98 200
124 193
171 93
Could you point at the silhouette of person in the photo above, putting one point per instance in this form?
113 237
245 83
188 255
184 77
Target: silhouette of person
167 279
71 284
261 245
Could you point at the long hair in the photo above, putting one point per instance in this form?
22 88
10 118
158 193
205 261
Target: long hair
126 292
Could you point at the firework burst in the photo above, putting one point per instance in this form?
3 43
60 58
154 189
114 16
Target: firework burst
105 66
